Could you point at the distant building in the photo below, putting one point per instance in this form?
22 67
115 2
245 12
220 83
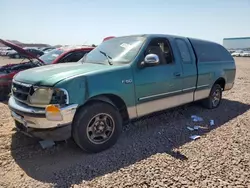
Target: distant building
236 43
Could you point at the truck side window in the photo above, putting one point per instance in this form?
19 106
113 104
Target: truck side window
184 51
160 47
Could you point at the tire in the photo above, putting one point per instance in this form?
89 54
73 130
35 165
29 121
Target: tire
85 117
216 91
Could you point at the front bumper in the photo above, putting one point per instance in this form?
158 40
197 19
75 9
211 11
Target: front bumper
34 119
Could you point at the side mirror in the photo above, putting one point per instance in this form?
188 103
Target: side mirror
151 60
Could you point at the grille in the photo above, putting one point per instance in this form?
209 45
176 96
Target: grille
21 91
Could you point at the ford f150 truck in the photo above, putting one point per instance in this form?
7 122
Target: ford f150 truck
122 79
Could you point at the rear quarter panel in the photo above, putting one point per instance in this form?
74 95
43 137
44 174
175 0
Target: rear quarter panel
209 72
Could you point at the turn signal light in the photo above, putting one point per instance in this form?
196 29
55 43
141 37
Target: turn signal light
53 113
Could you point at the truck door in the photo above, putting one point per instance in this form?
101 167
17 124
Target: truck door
189 71
158 87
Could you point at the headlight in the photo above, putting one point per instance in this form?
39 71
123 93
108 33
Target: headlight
44 96
41 96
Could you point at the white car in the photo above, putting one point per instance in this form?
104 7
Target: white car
246 54
237 53
5 52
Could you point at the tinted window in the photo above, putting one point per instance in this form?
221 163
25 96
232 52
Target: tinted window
209 51
184 51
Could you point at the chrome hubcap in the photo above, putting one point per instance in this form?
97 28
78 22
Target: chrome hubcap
216 97
100 128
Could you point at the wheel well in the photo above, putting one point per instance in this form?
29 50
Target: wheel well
113 100
221 82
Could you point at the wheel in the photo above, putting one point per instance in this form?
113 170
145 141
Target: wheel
97 127
214 99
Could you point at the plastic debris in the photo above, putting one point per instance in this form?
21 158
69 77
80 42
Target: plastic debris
190 128
203 127
194 137
196 127
196 118
46 143
212 122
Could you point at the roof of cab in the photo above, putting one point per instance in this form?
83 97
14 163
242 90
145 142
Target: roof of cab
166 35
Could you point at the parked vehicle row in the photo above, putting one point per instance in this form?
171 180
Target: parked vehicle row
14 54
5 51
122 79
241 53
47 49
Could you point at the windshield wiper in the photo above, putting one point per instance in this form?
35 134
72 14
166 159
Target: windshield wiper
107 56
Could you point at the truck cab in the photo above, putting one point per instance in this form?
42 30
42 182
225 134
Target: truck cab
122 79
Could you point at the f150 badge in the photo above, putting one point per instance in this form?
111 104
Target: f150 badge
129 81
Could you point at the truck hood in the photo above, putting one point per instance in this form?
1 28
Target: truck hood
49 75
20 50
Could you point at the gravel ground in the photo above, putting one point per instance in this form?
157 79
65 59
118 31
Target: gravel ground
153 152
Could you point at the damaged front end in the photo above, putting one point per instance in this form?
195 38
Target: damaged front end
7 72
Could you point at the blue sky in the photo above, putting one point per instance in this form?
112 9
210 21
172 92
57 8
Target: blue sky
80 21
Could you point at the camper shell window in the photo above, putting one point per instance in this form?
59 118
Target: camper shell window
210 52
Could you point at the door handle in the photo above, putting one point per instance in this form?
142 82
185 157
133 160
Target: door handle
177 74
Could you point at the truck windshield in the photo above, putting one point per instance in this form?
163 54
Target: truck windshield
120 50
49 57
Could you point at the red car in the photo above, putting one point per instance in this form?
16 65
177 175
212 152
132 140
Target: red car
58 55
107 38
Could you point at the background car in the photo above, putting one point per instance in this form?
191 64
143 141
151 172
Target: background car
58 55
246 54
107 38
5 51
65 54
237 53
47 49
34 51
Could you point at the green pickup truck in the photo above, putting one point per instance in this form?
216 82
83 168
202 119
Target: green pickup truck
122 79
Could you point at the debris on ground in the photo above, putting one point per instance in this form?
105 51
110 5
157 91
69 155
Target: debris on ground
190 128
212 122
203 127
196 118
196 127
46 143
194 137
